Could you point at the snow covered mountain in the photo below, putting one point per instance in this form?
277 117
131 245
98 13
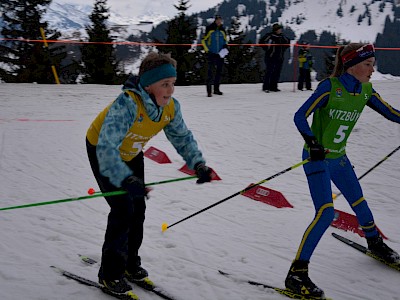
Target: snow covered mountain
67 17
349 20
356 21
71 19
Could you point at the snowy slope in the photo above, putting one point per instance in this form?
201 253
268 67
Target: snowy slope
246 136
68 16
321 15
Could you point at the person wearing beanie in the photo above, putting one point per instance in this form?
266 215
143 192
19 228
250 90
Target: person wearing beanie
276 27
336 106
115 142
215 45
275 45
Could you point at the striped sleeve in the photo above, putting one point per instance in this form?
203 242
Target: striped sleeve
318 99
206 39
382 107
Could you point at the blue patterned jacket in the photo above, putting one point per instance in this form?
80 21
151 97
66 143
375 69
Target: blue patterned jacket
121 116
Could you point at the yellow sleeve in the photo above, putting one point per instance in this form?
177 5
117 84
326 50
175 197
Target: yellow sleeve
204 40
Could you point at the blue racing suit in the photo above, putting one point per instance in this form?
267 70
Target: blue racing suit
339 170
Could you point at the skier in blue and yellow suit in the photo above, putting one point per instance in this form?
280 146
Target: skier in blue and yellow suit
115 141
336 106
213 42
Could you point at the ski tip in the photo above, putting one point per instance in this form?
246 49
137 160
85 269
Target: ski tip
55 268
132 295
334 234
222 272
164 227
87 259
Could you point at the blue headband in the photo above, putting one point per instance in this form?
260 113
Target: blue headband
151 76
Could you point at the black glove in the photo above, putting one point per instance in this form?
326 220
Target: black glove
135 187
317 151
202 172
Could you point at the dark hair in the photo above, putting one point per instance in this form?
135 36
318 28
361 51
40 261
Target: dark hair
343 50
276 27
154 60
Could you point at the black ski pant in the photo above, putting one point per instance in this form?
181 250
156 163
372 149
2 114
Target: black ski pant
215 64
124 233
304 77
273 68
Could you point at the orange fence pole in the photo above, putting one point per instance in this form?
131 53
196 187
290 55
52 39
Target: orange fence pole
53 68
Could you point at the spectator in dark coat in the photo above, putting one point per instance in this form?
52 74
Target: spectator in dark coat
276 45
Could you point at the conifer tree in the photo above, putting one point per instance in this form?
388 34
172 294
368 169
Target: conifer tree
325 58
99 60
241 65
388 39
20 59
180 31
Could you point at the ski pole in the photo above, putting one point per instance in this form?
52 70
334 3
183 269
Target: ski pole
108 194
165 226
334 196
91 191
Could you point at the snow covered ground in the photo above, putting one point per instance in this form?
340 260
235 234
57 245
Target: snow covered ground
246 136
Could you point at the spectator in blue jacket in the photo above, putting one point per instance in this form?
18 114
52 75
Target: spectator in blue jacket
115 142
215 45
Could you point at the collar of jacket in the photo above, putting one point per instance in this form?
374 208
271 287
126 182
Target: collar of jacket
150 104
214 26
350 83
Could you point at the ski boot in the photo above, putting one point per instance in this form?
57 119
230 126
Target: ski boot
116 287
381 250
298 281
136 275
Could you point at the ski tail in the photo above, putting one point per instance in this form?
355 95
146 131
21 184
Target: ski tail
129 295
146 283
284 292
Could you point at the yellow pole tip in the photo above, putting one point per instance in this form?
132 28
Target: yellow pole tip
164 227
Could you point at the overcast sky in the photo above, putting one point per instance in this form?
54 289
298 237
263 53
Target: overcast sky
138 7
